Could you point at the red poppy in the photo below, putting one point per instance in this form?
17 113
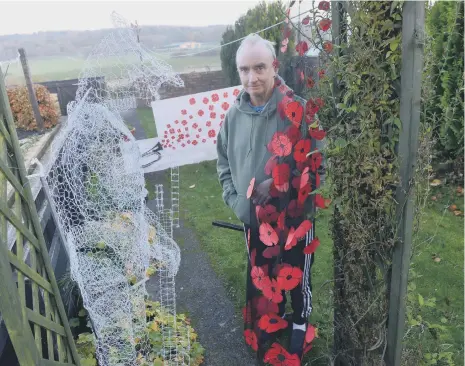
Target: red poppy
319 102
291 240
294 111
259 279
200 112
264 306
270 164
276 63
215 97
310 334
211 133
321 74
325 24
287 31
304 177
317 134
280 144
328 46
205 100
301 48
294 209
294 134
296 182
323 5
303 229
222 116
283 103
281 174
225 106
310 82
212 115
268 235
225 94
251 188
211 107
171 130
311 247
311 107
278 356
321 202
236 92
301 149
272 291
277 82
183 111
271 252
271 323
274 191
195 126
184 122
315 161
303 194
208 123
192 101
289 277
267 214
290 93
251 339
194 142
306 20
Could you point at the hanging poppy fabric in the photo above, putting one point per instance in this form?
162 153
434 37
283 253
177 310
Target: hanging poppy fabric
281 231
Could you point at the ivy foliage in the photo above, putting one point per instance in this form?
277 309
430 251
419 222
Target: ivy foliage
362 120
444 74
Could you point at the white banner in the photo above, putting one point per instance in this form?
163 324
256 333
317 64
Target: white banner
187 128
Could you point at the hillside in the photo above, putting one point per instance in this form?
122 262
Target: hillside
79 43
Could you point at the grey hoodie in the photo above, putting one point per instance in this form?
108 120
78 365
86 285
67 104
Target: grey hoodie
242 149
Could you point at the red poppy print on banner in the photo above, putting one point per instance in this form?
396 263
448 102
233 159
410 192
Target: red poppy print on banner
294 209
289 277
271 323
303 194
211 133
267 214
251 339
268 235
215 97
281 175
294 111
315 161
278 356
205 100
192 101
312 246
225 106
183 112
236 92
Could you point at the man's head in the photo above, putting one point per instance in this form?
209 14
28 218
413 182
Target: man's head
254 60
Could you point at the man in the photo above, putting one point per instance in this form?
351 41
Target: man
256 141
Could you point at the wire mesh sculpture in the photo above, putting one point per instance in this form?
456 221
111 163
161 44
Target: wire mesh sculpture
96 187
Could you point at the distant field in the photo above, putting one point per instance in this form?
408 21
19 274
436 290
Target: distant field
62 68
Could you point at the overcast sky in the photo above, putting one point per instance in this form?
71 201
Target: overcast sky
33 16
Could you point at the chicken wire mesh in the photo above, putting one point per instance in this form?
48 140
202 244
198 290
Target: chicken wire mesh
122 71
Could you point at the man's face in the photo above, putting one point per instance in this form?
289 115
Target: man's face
255 67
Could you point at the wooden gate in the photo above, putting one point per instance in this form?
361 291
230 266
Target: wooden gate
39 332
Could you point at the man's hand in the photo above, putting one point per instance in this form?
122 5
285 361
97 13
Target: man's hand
261 193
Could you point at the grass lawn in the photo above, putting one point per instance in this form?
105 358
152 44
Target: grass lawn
148 124
441 234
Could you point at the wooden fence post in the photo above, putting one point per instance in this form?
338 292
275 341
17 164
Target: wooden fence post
411 73
30 88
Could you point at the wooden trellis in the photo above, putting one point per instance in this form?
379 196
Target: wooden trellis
38 329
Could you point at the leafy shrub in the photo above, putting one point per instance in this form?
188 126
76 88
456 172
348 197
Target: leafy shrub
22 108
